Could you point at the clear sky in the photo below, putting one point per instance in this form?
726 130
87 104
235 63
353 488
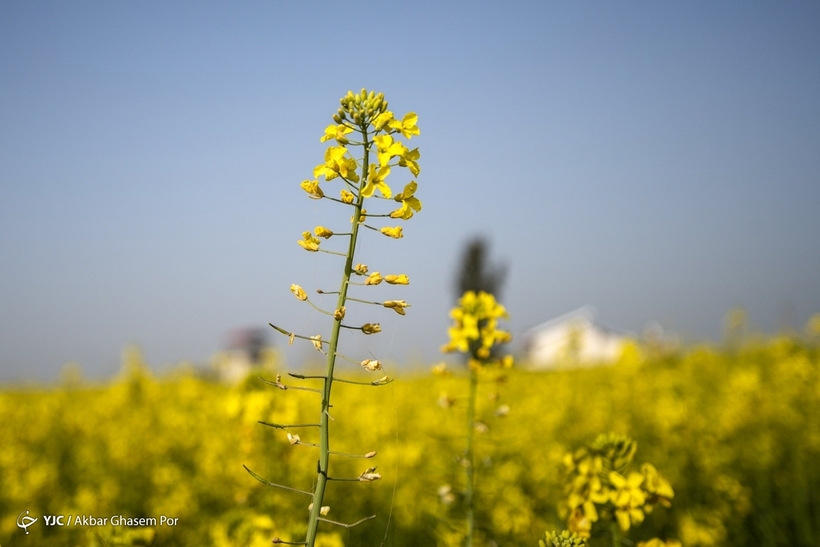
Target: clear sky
657 160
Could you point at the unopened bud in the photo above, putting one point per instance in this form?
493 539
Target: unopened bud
347 197
337 118
321 231
400 279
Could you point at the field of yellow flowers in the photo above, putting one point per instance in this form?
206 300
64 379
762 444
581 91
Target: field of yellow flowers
735 430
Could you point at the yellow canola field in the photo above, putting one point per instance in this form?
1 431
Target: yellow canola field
735 431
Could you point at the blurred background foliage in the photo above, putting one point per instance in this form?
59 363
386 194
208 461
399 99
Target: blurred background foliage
735 430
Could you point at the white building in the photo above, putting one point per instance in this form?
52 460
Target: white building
572 340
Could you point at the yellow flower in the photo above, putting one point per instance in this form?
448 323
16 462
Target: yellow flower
371 365
409 203
312 188
401 279
397 305
476 319
658 488
321 231
373 279
339 314
395 233
294 439
371 328
460 336
337 164
375 180
309 243
383 120
347 197
388 149
628 498
407 126
408 159
580 523
298 292
337 132
360 269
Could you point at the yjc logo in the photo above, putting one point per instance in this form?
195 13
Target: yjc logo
24 521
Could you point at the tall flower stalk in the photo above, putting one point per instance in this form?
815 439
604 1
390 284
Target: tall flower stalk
475 332
367 147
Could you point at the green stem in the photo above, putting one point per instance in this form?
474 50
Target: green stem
470 456
324 435
616 534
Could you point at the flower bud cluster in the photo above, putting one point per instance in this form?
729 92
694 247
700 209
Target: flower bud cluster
361 106
564 539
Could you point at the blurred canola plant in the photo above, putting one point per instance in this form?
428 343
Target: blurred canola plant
362 123
475 333
735 430
601 494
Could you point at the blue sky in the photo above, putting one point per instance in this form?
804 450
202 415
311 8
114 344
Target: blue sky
658 161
